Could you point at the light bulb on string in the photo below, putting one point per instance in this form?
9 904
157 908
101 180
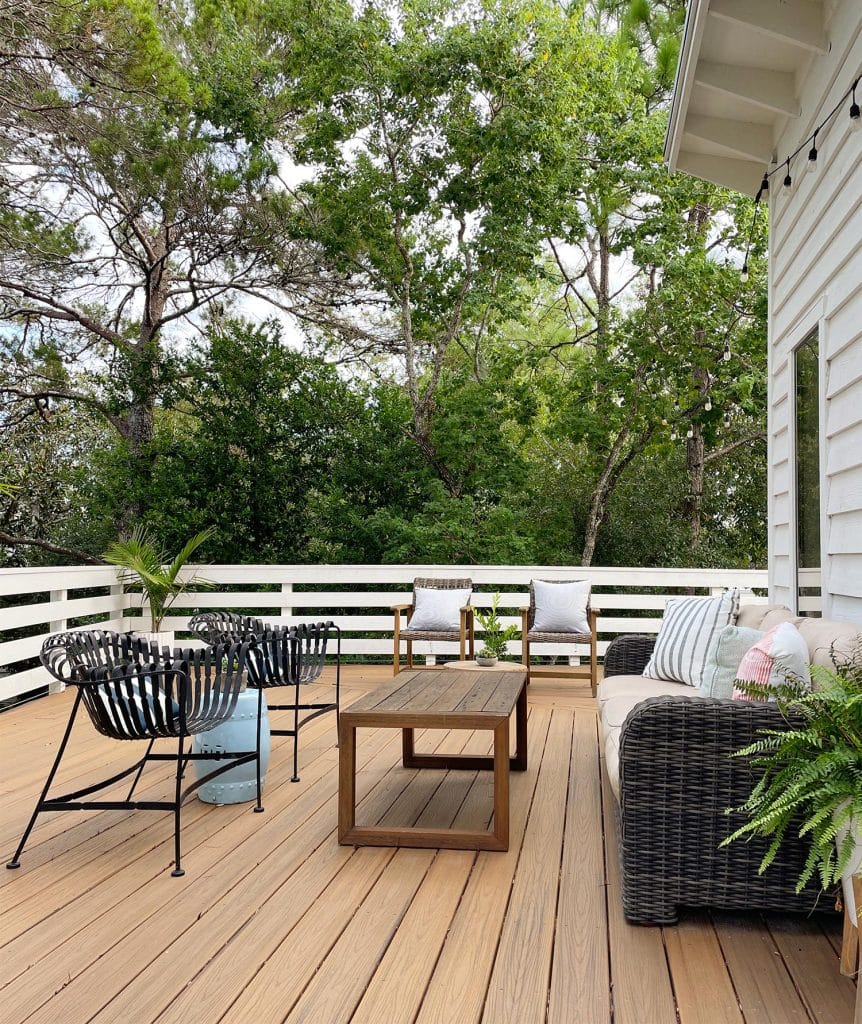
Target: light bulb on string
812 155
725 355
727 419
788 181
855 112
690 432
743 274
708 405
673 435
764 185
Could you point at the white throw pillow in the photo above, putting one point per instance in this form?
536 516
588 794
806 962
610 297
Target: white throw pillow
438 610
687 630
561 607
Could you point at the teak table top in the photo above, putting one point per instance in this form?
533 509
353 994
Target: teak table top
429 698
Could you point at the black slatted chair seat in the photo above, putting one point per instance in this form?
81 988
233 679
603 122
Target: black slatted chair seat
226 627
132 692
280 656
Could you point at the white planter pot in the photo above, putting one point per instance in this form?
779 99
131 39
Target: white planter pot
853 868
164 638
485 662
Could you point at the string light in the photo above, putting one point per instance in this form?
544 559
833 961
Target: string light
708 405
690 432
812 155
855 113
725 355
787 184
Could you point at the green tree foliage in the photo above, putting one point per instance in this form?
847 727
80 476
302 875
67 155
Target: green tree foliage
508 320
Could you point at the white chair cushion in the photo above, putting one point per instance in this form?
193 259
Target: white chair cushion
561 607
438 610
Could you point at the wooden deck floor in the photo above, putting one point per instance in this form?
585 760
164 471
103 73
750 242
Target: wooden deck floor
274 921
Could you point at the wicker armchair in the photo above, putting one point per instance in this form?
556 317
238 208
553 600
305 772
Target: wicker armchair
530 635
464 636
130 696
676 779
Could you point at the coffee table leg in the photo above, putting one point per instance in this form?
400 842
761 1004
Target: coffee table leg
407 750
520 759
501 784
346 781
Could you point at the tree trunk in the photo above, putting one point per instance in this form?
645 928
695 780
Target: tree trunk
695 466
695 462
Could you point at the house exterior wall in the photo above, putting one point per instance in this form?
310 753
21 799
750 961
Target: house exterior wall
815 280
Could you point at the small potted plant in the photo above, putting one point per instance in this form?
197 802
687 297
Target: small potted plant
811 774
146 567
495 638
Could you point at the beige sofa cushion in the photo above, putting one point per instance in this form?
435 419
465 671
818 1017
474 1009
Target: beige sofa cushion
765 616
820 634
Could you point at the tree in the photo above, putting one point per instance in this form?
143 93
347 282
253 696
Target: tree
133 173
440 167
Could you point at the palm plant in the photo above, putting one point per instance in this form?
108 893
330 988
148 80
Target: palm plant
812 773
494 638
146 566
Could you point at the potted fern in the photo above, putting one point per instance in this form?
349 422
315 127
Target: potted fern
495 638
812 774
145 566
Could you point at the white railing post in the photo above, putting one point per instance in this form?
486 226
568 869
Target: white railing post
118 591
57 626
286 591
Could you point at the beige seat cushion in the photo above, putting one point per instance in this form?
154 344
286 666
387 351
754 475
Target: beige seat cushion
638 686
614 710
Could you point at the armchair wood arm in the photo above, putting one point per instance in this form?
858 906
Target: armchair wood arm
401 607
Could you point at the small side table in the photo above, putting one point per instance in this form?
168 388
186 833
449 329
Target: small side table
851 956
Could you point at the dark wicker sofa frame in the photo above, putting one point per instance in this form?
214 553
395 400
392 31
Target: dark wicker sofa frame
677 777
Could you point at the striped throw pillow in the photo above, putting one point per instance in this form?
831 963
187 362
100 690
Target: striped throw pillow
689 626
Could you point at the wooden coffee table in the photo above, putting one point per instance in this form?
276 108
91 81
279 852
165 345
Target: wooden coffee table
449 698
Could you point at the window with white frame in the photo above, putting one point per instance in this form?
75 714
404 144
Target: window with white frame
806 370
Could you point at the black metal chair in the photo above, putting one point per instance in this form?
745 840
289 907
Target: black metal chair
131 696
280 656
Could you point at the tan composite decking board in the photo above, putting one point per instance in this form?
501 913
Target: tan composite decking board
274 921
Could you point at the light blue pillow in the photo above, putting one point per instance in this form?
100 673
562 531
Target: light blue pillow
723 657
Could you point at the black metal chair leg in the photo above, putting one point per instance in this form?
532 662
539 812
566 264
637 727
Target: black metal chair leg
178 796
259 806
295 777
338 689
141 768
15 862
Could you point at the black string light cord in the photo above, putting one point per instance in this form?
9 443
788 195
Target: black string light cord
810 141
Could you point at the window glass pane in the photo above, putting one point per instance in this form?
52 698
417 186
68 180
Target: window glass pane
808 475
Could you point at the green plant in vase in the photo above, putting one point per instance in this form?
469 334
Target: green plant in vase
144 565
812 773
494 638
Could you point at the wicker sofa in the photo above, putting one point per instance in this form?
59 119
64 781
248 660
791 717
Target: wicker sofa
666 755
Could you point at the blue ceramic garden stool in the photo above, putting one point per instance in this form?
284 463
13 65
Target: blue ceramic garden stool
239 732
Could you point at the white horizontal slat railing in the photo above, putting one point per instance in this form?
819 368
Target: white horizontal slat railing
39 602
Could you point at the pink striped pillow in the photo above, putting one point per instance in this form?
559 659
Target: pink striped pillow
780 655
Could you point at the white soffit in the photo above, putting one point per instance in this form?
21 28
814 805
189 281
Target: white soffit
741 67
